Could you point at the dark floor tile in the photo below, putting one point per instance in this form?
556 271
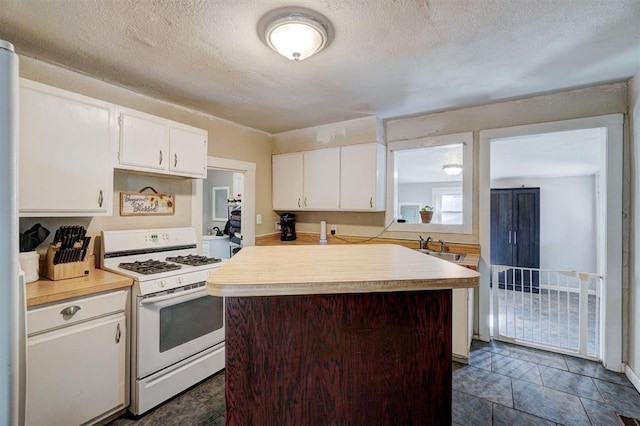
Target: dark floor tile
508 417
479 345
469 410
539 357
611 376
208 389
599 413
619 397
568 382
582 366
480 359
216 421
547 403
499 347
457 365
483 384
516 368
182 410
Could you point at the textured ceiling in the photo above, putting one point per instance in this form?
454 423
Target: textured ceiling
389 58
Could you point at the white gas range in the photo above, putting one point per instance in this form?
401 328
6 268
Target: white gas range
177 329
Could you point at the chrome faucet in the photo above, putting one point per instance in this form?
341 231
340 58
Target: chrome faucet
442 245
424 244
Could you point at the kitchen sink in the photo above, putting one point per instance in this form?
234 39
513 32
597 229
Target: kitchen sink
451 257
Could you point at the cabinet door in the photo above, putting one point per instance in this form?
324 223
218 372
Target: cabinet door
321 179
287 181
66 143
144 142
501 227
77 373
526 209
188 152
362 174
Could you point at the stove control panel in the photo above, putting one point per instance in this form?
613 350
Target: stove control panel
156 238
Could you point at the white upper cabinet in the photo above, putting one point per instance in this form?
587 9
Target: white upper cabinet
188 148
144 142
65 147
362 177
321 181
287 181
156 145
347 178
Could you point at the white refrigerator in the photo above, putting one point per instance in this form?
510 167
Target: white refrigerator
12 291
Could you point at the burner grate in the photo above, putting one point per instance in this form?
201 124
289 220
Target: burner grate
149 267
193 260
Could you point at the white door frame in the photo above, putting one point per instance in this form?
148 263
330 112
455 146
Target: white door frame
610 245
248 197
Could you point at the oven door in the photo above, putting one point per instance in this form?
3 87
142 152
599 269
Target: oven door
173 326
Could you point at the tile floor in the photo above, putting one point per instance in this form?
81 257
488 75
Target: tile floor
503 384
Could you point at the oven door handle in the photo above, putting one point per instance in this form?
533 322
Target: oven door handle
156 299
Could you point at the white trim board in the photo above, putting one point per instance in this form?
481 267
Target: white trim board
633 377
611 248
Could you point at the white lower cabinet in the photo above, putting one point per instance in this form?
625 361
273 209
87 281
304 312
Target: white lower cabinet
462 327
217 247
76 368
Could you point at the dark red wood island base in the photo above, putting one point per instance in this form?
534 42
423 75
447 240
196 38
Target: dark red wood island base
338 335
345 359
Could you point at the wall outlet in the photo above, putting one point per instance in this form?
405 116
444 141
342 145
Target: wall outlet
278 226
334 229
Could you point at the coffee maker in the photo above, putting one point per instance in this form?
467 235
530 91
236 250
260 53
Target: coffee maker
287 227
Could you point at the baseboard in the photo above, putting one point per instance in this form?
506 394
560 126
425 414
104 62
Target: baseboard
633 378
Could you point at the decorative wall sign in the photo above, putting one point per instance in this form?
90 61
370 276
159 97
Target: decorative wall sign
139 204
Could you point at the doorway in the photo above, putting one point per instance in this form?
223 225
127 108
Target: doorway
242 174
604 251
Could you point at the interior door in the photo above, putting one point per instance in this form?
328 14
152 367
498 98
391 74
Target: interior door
515 235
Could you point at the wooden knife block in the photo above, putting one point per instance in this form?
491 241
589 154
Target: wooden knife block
63 271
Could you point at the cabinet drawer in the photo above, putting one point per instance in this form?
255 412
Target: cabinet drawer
51 317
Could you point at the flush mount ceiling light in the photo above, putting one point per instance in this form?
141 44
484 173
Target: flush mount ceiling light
452 169
295 33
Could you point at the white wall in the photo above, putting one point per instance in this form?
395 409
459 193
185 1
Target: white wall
634 286
567 220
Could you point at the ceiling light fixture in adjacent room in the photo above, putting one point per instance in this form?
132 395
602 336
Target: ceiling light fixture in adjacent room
452 169
295 33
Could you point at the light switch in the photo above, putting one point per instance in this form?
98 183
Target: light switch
258 219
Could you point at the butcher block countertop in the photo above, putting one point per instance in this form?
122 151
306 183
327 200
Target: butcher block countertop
334 269
47 291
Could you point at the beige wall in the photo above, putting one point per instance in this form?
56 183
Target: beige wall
588 102
226 139
634 286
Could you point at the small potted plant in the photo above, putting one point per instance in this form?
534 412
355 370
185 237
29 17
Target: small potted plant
426 213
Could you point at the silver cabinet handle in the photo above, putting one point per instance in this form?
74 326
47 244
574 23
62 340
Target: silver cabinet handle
160 163
100 199
509 237
175 160
515 237
305 201
118 333
298 201
69 311
371 202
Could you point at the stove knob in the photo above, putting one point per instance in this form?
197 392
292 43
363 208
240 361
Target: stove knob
162 284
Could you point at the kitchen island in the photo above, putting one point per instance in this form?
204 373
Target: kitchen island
343 334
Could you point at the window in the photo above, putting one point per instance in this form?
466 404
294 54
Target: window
448 208
418 177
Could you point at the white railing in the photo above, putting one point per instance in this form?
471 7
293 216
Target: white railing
557 310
